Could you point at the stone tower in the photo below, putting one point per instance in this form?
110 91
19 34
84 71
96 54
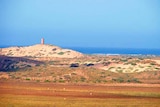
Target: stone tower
42 41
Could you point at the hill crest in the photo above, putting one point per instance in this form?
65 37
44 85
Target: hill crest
40 50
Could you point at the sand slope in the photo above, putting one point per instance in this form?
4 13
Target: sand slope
40 50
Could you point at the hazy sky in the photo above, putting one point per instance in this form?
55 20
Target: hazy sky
81 23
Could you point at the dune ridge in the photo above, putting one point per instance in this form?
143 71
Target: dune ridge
40 50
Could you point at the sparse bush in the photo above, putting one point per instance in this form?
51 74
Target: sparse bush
106 63
17 77
111 68
74 65
61 81
120 71
73 73
98 60
103 76
37 80
123 60
133 63
37 65
102 72
76 81
120 79
54 49
28 66
28 79
98 81
67 77
47 81
60 53
135 80
68 51
155 73
128 80
152 63
83 79
54 80
104 81
51 62
140 58
157 68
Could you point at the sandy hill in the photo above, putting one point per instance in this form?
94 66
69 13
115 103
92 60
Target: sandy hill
40 50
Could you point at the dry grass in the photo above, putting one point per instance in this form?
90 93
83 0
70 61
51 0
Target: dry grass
44 101
24 94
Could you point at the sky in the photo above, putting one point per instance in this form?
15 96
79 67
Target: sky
81 23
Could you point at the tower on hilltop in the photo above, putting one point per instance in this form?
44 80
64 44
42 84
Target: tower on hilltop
42 41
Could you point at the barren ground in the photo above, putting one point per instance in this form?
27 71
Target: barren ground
32 94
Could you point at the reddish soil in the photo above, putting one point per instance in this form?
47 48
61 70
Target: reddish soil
79 91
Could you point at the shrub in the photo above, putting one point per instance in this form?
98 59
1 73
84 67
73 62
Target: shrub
67 77
76 81
123 60
61 81
28 79
73 73
83 79
47 81
60 53
37 80
128 80
54 49
102 72
120 79
120 71
135 80
51 62
133 63
98 81
103 76
152 63
74 65
54 80
17 77
104 81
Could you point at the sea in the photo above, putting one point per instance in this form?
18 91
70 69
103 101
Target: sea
112 51
116 51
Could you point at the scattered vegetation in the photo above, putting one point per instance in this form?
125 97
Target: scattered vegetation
83 70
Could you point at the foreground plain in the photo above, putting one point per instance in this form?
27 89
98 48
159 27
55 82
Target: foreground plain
32 94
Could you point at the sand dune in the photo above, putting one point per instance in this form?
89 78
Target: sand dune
40 50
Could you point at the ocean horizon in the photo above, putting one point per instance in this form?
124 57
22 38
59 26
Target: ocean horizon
111 51
116 51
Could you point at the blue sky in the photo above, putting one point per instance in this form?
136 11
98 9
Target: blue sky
81 23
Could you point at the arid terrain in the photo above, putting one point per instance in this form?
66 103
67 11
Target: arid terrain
31 94
46 75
